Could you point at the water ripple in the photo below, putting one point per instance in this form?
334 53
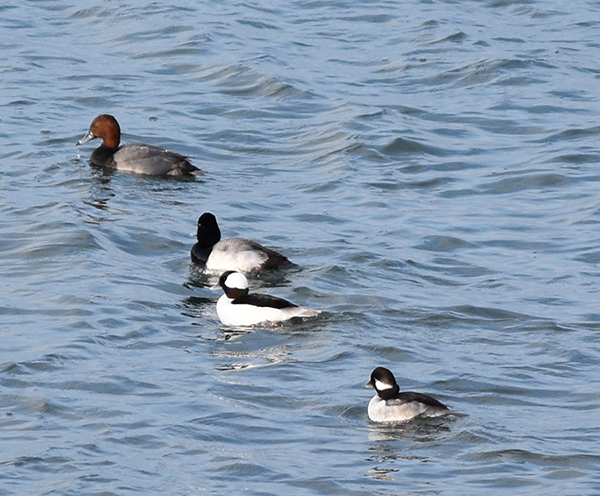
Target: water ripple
432 171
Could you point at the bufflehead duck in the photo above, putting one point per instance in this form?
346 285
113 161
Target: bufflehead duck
390 405
238 307
138 158
231 253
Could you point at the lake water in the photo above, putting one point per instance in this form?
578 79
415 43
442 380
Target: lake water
431 166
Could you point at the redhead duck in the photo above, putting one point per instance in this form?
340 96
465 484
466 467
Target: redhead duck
391 405
240 308
214 254
133 157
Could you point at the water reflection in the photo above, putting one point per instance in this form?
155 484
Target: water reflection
423 431
268 279
391 442
382 474
249 359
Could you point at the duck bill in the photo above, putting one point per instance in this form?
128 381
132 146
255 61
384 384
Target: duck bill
88 137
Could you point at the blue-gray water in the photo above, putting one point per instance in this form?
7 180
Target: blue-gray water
433 168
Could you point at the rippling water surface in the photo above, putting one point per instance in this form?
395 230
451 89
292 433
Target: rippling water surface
432 167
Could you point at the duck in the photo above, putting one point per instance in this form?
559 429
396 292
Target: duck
238 307
138 158
391 405
240 254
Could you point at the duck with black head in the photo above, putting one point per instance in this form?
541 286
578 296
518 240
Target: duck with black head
238 307
212 253
392 405
138 158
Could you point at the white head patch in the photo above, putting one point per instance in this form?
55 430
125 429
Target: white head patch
382 386
236 280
